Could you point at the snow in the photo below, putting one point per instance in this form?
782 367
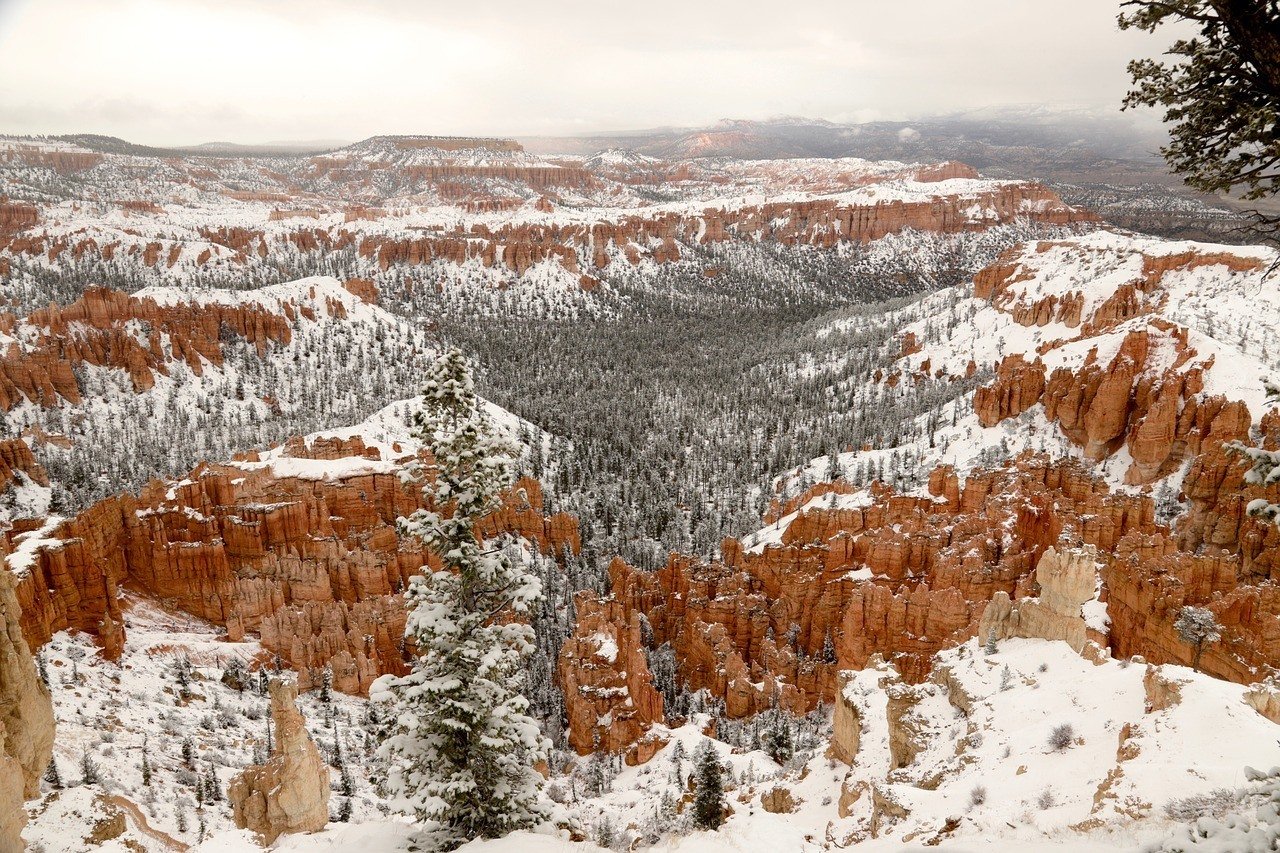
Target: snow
606 646
28 545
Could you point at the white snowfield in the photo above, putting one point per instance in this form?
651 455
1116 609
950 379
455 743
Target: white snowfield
1035 796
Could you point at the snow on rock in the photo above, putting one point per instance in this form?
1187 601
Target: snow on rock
984 764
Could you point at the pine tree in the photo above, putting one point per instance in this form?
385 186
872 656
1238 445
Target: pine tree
1197 627
326 685
52 776
461 747
777 740
146 764
1221 92
189 753
708 797
212 788
991 647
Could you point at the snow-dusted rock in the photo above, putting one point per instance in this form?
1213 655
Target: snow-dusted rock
290 793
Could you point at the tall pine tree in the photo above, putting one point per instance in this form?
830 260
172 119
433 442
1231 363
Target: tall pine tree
460 745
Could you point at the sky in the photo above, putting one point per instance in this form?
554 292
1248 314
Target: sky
173 72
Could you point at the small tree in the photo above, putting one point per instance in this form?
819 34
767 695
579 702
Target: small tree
1062 736
778 741
708 797
146 763
52 776
212 787
90 773
991 648
461 746
1197 627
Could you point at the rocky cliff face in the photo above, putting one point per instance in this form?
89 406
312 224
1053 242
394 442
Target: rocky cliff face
609 696
300 547
26 712
290 793
98 329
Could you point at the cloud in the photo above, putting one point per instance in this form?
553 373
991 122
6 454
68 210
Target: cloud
183 71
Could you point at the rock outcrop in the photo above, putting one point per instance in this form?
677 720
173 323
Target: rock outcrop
1162 692
610 700
13 814
26 710
1067 580
846 724
313 563
290 793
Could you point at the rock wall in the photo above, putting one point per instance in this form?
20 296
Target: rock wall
315 566
26 711
609 696
290 793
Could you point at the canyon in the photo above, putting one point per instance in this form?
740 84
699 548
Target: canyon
1061 482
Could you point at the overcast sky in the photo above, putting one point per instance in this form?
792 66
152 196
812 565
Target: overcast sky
188 71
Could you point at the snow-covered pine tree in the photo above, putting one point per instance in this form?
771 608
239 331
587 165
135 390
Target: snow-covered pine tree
1197 627
460 745
708 796
1266 464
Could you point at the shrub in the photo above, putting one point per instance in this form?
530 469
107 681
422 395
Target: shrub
1215 803
1046 800
978 795
1062 736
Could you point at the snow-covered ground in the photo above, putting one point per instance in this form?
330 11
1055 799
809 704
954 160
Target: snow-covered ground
995 737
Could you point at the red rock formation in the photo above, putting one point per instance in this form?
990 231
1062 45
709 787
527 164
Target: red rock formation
609 696
316 566
62 162
94 330
903 577
998 284
1161 417
15 456
16 217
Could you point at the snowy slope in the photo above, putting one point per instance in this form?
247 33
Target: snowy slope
1230 317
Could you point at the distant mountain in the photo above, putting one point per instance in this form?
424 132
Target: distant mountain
237 149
